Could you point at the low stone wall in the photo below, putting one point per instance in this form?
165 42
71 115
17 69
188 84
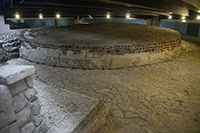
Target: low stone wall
9 46
19 105
101 57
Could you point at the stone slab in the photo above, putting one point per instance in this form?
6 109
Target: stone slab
73 112
10 74
13 128
104 123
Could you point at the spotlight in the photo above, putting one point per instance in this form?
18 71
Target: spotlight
57 15
183 21
183 17
40 16
90 16
17 16
108 16
170 17
198 17
127 16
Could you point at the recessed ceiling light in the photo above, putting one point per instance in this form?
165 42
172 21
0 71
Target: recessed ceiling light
170 17
108 16
183 20
90 16
127 16
57 15
40 16
17 16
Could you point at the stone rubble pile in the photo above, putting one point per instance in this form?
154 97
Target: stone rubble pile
9 46
45 31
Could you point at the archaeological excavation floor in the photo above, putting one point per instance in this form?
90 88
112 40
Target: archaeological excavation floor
157 98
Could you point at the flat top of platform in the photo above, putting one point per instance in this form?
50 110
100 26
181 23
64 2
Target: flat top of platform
64 110
10 74
108 33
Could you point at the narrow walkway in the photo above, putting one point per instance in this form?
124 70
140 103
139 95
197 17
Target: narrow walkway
162 97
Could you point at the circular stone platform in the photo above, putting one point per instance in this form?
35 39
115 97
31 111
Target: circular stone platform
101 45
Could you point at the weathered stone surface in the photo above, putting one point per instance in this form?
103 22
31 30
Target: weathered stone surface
35 108
132 120
111 51
29 81
156 82
7 115
105 122
9 47
150 129
140 129
19 102
161 128
37 120
42 128
118 113
130 115
28 128
174 115
10 74
143 123
17 87
122 107
144 116
24 116
13 128
30 93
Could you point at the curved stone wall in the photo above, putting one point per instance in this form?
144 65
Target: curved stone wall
103 54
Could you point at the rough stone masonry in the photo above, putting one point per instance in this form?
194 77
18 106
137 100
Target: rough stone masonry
19 106
100 45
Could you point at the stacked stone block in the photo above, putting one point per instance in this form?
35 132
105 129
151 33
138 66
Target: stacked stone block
9 47
19 108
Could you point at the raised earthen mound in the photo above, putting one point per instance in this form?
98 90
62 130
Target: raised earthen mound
96 46
103 34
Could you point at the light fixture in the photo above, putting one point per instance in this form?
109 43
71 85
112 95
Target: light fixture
40 16
170 12
90 16
57 15
183 17
198 17
170 17
127 16
107 16
183 21
17 16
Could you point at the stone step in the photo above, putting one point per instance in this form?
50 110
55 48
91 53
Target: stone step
104 123
70 112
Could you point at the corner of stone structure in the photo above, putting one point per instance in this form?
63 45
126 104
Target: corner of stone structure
19 105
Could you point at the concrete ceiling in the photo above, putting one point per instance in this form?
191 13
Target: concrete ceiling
96 8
